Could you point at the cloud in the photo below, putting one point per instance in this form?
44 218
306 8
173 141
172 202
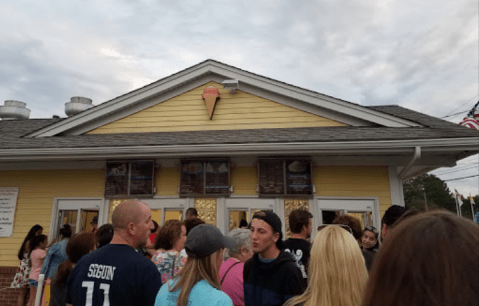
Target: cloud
421 55
368 52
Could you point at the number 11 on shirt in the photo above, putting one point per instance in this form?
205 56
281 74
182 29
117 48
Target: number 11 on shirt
89 293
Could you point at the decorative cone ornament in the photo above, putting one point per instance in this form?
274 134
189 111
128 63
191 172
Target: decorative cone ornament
210 95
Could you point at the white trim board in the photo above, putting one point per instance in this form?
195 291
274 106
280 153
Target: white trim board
75 203
452 146
341 203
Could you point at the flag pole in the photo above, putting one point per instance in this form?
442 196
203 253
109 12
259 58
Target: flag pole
457 204
472 210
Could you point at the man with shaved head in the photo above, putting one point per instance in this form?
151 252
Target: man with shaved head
116 274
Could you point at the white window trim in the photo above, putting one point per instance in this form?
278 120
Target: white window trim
102 210
317 216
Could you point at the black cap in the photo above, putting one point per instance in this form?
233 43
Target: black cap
95 219
274 221
205 239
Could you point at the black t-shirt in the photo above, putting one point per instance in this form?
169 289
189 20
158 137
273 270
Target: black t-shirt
113 275
300 249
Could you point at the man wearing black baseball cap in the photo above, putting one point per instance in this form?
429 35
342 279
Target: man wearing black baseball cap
271 276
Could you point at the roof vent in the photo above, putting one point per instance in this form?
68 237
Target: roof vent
14 110
77 105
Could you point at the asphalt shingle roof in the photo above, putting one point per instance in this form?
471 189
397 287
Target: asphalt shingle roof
11 133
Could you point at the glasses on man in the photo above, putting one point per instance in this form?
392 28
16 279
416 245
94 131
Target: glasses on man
372 229
343 226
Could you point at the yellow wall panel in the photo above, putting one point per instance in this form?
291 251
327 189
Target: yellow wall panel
167 181
354 181
187 112
244 180
37 190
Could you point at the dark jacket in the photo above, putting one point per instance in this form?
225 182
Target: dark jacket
268 284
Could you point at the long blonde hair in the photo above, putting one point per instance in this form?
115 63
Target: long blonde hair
337 272
195 270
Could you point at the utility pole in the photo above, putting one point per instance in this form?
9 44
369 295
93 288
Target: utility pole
425 200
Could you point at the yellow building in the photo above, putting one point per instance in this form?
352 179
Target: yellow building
220 139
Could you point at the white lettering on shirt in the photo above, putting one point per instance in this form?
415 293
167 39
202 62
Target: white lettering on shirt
101 271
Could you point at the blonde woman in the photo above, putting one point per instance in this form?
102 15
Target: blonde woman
198 283
337 273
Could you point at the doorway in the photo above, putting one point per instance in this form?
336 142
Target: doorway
364 209
78 213
164 209
238 209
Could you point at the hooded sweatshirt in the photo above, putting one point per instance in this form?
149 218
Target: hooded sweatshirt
273 283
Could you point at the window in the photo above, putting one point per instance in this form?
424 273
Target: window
205 178
285 177
133 178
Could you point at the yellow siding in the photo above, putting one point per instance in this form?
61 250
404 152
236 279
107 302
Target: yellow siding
37 190
187 112
354 181
244 180
333 181
167 181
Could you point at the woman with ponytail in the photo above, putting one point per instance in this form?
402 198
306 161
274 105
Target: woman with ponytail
77 247
21 278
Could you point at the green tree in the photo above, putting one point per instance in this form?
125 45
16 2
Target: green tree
431 188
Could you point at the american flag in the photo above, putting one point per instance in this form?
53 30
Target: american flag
472 118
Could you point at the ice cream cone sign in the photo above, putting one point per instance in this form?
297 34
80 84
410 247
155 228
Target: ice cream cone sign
210 95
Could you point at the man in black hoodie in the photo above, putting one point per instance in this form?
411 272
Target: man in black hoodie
271 276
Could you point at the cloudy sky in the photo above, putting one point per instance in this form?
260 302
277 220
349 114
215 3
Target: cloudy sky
422 55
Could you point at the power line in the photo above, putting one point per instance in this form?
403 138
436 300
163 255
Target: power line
448 115
460 178
455 114
456 170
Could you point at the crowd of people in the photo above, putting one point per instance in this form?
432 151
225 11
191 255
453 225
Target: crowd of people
414 259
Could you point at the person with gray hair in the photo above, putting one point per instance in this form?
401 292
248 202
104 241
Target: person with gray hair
231 271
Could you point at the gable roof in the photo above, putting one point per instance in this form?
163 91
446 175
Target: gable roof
210 70
420 118
435 134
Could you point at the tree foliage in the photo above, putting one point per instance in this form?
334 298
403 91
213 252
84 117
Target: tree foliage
437 195
436 191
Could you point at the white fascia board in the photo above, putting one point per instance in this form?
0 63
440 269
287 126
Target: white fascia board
169 83
314 98
445 146
121 102
137 107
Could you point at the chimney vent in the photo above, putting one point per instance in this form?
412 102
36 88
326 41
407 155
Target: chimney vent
77 105
14 110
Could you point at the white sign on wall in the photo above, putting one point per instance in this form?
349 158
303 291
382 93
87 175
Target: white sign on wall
8 204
